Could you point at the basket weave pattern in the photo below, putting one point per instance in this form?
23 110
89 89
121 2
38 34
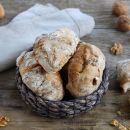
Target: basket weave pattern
59 109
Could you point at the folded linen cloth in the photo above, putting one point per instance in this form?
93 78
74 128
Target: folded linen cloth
21 32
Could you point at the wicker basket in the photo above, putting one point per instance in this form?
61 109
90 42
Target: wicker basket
64 108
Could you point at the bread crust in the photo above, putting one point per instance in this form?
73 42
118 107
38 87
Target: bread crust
52 51
48 86
85 70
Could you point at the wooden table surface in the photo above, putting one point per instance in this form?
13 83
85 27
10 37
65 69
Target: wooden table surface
103 36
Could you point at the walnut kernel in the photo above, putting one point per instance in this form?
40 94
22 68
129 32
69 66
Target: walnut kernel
118 125
3 121
117 49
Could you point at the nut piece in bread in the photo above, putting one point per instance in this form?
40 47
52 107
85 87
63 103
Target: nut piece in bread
48 86
117 48
123 74
52 51
85 70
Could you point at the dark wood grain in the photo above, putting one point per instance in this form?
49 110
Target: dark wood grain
103 36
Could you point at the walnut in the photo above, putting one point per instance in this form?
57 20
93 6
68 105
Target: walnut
117 49
118 125
2 11
119 8
3 121
123 23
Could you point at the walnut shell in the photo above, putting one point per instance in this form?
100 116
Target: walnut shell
52 51
119 8
123 23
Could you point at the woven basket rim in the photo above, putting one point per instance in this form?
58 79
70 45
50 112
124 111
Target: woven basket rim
65 101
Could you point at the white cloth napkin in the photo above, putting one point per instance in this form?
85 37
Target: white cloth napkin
21 32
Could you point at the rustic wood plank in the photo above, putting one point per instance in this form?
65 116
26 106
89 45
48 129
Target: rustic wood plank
100 10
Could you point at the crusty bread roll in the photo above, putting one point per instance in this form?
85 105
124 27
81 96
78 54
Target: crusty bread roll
53 50
123 74
85 70
49 86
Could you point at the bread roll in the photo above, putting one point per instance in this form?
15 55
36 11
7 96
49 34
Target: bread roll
48 86
52 51
85 70
123 74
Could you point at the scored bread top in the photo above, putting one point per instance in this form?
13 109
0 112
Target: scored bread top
48 86
52 51
85 70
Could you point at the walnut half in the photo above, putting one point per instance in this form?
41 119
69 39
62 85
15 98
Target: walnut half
117 49
4 121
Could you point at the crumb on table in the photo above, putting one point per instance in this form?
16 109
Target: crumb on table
119 113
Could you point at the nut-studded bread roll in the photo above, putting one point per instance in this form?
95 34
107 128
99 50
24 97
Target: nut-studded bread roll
49 86
53 50
85 70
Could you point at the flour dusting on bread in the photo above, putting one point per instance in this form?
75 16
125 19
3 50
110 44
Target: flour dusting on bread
85 70
53 50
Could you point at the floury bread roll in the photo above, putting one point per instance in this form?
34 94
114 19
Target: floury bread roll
85 70
123 74
48 86
52 51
